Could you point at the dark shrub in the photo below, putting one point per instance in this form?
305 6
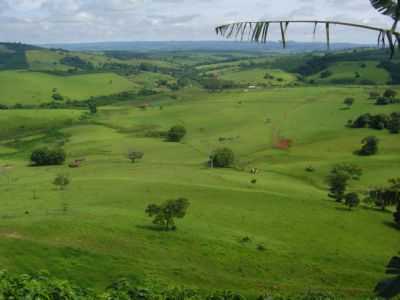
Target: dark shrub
383 101
223 158
48 157
176 133
369 147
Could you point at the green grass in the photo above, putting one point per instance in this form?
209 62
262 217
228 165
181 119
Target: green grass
347 71
256 76
27 87
45 60
310 241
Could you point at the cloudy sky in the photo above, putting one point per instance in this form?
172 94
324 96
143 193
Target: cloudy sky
50 21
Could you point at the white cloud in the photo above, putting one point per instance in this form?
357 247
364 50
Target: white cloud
37 21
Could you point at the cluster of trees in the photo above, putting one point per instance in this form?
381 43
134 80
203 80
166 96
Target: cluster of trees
381 197
379 122
77 62
339 178
216 84
388 97
48 157
386 196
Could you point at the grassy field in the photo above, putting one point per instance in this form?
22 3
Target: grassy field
367 70
27 87
309 240
257 76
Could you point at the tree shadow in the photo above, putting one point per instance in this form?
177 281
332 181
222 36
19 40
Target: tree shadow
391 225
344 209
152 228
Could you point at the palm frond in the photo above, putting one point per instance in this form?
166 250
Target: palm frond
258 31
387 7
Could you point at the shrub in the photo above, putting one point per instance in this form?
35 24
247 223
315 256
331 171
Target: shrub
369 147
61 181
57 97
348 102
176 133
383 101
92 107
223 158
351 200
48 157
389 93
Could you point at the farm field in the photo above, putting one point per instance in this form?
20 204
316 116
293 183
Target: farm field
96 230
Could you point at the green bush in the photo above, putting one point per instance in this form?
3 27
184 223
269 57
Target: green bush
48 157
223 158
176 133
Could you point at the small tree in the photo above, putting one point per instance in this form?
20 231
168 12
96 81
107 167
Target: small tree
61 181
135 155
389 93
349 102
338 179
351 200
369 147
176 133
92 107
222 158
165 213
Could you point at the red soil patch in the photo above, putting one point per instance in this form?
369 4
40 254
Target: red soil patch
283 144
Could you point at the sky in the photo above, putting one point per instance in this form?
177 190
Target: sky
67 21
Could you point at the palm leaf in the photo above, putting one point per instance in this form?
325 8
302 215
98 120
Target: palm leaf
387 7
258 31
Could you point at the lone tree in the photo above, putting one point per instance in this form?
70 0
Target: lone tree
61 181
390 288
339 177
351 200
135 155
369 146
349 102
165 213
176 133
222 158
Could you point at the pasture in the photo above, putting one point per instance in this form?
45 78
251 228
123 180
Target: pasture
308 241
26 87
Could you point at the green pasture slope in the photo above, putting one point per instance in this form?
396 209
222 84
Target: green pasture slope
26 87
367 71
310 241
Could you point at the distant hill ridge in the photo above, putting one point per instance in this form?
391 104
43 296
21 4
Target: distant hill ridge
141 46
